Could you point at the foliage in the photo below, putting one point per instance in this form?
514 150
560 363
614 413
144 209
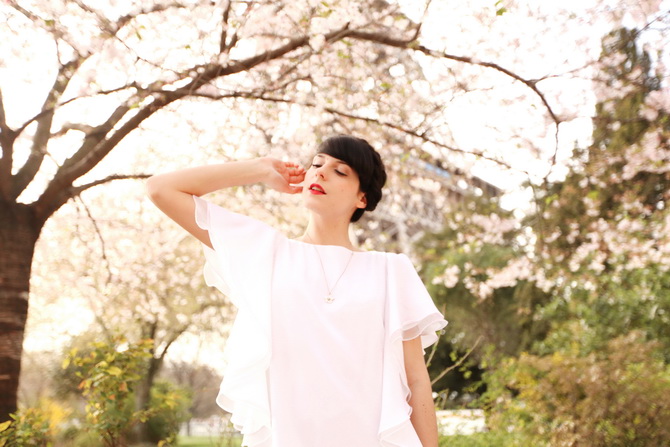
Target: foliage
616 397
29 428
36 426
202 381
108 375
477 269
169 408
594 259
603 232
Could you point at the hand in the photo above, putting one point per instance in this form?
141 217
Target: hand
283 175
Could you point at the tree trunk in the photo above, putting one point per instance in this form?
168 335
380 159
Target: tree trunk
19 230
141 433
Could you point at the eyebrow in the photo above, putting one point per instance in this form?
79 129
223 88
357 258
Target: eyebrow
337 160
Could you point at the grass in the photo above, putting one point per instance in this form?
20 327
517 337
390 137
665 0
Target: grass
486 439
207 441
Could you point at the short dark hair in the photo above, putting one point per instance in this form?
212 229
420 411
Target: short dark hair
365 160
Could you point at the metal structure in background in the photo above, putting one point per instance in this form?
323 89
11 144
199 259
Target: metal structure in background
426 199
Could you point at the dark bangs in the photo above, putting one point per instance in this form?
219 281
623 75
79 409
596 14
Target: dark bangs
355 152
362 158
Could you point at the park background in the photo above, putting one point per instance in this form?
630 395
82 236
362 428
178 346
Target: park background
527 145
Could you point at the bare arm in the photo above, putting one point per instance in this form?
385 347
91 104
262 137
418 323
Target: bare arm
423 408
172 192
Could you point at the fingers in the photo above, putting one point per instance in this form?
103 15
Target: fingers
290 189
296 177
294 167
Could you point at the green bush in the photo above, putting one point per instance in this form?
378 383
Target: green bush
108 374
27 428
617 397
169 405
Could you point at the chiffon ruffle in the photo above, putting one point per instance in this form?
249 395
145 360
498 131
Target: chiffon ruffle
410 313
240 266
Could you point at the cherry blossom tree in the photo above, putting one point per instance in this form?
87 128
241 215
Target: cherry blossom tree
604 238
589 263
90 82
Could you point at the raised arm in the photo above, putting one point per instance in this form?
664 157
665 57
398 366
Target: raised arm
172 192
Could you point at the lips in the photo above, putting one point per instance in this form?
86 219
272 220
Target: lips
315 188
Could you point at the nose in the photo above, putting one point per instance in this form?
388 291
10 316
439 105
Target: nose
320 172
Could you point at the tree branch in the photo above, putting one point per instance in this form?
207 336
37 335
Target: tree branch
412 44
209 72
457 364
223 46
96 228
77 190
124 20
411 132
48 25
54 107
93 149
43 132
7 137
85 128
97 145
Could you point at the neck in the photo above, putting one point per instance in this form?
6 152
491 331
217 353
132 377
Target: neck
322 231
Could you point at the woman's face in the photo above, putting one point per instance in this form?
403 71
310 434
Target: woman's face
331 187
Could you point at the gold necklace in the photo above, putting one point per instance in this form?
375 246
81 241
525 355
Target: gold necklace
329 298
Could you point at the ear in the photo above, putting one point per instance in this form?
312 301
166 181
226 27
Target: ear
362 201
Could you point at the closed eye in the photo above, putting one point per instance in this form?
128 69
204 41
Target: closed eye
340 173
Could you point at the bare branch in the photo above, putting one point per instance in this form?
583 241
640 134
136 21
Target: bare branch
113 27
411 132
54 198
94 148
47 25
210 72
43 112
86 128
223 46
43 132
77 190
97 145
421 135
96 228
124 20
457 364
412 44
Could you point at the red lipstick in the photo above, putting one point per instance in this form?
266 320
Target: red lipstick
315 188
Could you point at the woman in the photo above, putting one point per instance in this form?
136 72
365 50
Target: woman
327 345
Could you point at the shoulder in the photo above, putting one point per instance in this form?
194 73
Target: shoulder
399 259
231 225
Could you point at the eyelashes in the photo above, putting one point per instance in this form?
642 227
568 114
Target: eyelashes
342 174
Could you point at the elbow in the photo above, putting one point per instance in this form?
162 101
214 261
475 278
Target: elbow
419 382
153 188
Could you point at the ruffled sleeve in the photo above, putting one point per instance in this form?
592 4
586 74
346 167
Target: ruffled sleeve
241 265
410 313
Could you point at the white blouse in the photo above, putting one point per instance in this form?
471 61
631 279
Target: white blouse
304 372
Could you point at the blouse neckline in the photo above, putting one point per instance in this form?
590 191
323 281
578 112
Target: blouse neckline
333 246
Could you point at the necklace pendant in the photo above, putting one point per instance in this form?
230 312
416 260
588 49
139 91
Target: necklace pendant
329 299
